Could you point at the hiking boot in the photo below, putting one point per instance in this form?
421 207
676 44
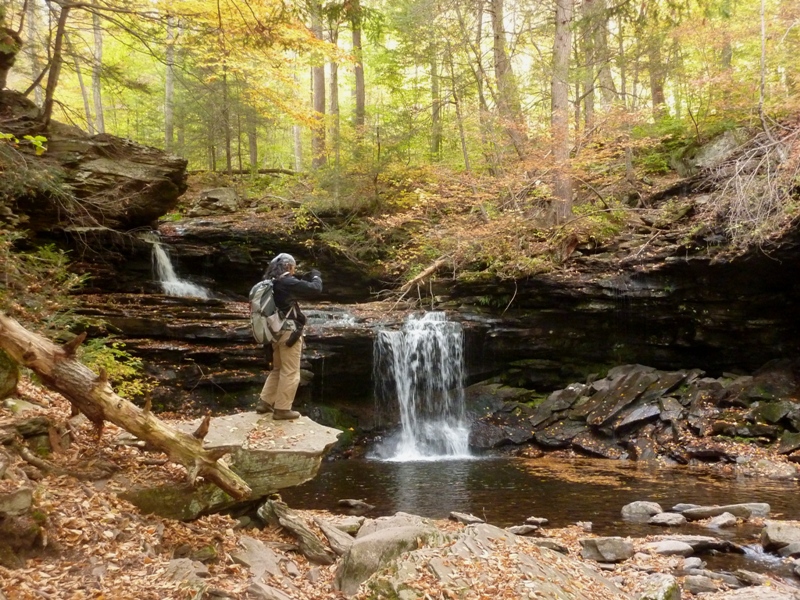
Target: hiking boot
285 415
262 407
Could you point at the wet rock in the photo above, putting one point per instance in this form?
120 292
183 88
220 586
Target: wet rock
603 409
669 548
693 562
641 510
560 434
778 534
764 467
667 519
555 403
728 579
790 441
355 504
743 511
700 584
606 549
522 529
465 519
790 550
701 544
596 445
771 412
540 521
724 520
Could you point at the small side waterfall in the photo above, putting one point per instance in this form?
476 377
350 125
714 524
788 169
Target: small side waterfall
421 368
171 284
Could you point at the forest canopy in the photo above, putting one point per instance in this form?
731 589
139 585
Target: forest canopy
502 111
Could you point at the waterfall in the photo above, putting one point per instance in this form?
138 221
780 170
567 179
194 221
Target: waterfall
420 368
171 284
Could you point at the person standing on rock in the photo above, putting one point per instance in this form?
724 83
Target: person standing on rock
278 393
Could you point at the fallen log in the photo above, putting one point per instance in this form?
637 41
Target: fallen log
92 395
276 512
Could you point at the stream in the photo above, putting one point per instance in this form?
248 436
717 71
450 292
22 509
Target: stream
506 491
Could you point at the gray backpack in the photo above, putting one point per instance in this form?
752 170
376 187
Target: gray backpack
265 319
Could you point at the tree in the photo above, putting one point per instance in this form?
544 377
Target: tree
508 103
97 70
559 122
318 146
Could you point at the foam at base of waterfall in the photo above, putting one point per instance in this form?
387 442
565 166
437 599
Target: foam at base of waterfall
432 442
184 289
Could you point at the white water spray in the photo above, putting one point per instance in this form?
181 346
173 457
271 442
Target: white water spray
421 367
171 284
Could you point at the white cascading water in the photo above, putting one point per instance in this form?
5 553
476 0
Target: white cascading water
169 280
421 368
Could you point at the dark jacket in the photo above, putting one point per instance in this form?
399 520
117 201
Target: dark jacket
288 289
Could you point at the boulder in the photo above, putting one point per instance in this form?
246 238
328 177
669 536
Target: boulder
743 511
667 519
606 549
371 552
777 534
669 548
269 455
641 509
116 182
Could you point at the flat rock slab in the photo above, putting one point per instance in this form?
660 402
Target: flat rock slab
269 455
256 432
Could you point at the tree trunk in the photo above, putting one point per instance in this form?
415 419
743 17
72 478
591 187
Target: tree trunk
297 142
252 138
55 67
97 67
508 102
588 36
436 111
318 149
602 58
33 52
226 121
559 120
359 90
169 88
84 92
334 101
457 103
92 395
657 77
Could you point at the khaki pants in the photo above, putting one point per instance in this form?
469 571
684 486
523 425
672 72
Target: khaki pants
283 380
